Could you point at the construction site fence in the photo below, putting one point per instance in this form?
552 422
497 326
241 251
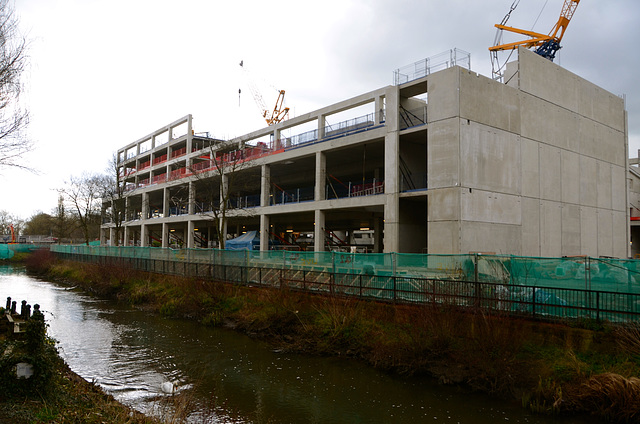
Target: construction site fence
584 287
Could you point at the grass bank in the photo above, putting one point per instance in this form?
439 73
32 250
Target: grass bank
570 368
53 393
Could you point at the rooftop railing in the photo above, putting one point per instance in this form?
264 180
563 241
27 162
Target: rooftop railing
422 68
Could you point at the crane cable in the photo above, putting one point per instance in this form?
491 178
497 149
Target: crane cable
540 14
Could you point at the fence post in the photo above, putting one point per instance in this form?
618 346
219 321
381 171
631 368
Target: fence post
533 302
598 306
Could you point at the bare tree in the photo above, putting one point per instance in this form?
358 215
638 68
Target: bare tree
8 221
222 179
13 120
62 223
83 196
113 187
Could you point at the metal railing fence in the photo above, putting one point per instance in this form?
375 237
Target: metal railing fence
459 282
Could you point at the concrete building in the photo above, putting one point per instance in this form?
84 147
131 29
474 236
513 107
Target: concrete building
440 162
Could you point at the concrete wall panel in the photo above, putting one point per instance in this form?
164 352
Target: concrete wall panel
444 237
618 189
551 178
530 165
443 155
486 237
530 227
620 241
492 207
588 191
550 124
598 104
444 102
571 228
443 204
602 142
605 233
603 185
570 183
482 101
550 228
491 158
589 229
547 80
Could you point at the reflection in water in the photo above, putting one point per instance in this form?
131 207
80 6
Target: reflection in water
230 377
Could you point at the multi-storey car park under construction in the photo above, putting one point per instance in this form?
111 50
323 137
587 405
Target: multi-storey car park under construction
443 161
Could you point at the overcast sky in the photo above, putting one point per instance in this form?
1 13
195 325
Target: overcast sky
103 73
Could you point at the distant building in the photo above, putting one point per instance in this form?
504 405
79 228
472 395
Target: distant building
444 161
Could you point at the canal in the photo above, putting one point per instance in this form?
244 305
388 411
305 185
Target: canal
227 377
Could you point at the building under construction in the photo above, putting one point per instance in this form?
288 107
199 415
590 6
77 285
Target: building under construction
442 161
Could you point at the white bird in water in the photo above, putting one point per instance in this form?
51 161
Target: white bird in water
168 387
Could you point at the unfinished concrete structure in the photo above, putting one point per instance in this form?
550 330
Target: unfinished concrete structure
441 162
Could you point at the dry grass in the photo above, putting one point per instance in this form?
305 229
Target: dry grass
610 396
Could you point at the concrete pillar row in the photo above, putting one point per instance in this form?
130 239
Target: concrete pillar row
322 122
145 206
265 185
165 235
318 231
189 136
190 234
264 232
165 203
192 199
321 176
144 237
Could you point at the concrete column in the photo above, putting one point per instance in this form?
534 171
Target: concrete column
126 235
191 209
127 207
189 136
392 174
264 232
165 203
103 236
190 230
321 176
322 122
318 231
112 237
165 235
379 110
145 205
144 237
265 186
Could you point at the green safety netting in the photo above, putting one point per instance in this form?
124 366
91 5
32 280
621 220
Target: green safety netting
7 251
586 273
577 287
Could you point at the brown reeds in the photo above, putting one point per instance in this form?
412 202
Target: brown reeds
609 396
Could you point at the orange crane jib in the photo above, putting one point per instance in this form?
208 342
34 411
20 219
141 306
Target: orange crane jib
545 45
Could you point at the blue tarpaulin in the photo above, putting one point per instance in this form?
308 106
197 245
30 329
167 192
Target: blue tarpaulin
249 241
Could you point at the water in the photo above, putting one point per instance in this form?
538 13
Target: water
230 378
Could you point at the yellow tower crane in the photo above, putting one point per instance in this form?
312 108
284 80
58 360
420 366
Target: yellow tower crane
545 45
272 116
